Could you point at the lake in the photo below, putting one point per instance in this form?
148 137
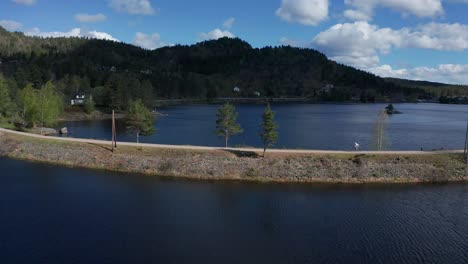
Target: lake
60 215
306 126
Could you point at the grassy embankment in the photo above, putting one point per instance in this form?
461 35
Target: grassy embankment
233 165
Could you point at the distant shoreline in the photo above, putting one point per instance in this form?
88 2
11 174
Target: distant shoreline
263 100
239 164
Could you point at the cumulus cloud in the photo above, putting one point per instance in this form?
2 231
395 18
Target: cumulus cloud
133 7
215 34
356 44
11 25
150 42
76 32
88 18
364 9
25 2
228 23
445 73
359 44
306 12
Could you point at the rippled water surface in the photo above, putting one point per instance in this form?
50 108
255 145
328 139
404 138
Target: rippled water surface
60 215
310 126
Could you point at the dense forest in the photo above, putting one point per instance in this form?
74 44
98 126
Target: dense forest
434 88
114 72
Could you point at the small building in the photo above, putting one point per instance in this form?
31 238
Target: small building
113 69
146 72
78 100
236 89
327 87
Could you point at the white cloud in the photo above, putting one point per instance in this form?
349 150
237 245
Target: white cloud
150 42
445 73
357 15
229 23
25 2
359 44
356 44
364 9
87 18
133 7
11 25
76 32
306 12
215 34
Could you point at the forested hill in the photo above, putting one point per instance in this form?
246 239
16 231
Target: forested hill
116 72
435 88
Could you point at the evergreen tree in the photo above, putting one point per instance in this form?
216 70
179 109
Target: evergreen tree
139 120
226 125
269 134
390 108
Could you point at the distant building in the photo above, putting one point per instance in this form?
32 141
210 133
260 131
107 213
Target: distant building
146 72
113 69
78 100
236 89
327 87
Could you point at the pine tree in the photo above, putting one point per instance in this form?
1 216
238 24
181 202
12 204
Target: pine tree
269 135
139 120
226 125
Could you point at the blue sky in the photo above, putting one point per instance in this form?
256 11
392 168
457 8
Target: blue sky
414 39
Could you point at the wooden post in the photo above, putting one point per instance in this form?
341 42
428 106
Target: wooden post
466 145
114 133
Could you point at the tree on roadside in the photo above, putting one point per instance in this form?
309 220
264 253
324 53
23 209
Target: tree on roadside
50 105
226 125
40 107
89 105
139 120
269 133
7 107
29 102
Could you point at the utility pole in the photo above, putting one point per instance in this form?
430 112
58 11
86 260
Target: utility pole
465 153
114 133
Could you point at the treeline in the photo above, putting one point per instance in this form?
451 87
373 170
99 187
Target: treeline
453 100
115 73
433 88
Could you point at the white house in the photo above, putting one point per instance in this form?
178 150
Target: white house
326 87
78 100
236 90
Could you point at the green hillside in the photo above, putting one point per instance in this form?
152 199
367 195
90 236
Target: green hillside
116 72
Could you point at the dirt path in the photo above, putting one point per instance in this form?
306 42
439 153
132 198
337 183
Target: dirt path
257 150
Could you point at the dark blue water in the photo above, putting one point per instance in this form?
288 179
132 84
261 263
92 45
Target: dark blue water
61 215
309 126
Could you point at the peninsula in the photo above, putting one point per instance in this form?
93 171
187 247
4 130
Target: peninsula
211 163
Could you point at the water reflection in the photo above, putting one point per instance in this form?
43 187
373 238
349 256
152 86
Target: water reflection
59 215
